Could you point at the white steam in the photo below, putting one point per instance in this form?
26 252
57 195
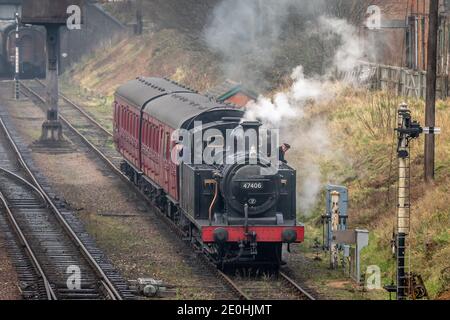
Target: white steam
260 38
288 105
248 33
350 51
286 110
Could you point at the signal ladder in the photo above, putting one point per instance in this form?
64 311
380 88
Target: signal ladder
403 225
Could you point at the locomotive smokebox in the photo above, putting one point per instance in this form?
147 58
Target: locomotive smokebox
45 12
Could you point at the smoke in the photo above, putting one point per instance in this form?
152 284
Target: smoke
287 105
248 35
287 109
350 50
259 39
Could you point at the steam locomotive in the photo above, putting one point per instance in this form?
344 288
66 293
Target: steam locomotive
237 212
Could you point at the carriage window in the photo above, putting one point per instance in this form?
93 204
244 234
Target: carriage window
158 139
163 147
119 115
144 133
168 146
150 137
153 137
137 126
124 119
129 122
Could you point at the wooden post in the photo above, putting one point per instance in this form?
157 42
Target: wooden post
430 112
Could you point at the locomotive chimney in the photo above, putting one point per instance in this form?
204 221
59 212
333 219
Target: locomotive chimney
250 128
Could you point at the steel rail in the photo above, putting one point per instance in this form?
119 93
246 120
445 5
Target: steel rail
23 240
295 286
90 259
242 294
74 105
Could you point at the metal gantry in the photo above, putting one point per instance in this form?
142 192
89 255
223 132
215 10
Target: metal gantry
405 134
407 130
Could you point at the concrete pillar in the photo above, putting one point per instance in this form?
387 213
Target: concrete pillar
52 129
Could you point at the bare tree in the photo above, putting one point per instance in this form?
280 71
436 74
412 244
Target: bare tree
352 10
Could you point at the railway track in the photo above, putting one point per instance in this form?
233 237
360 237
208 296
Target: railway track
277 286
98 139
54 256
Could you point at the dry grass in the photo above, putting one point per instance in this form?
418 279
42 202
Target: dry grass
166 53
362 125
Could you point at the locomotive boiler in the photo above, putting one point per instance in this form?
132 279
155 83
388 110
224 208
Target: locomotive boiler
202 164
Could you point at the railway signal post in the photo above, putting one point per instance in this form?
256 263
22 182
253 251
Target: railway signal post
407 130
17 61
52 15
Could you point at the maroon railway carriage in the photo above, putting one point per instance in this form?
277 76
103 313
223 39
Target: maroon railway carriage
231 211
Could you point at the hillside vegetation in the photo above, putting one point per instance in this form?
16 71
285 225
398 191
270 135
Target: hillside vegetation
364 159
166 53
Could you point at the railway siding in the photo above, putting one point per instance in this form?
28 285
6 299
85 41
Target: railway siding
55 247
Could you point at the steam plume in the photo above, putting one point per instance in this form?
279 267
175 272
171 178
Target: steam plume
253 29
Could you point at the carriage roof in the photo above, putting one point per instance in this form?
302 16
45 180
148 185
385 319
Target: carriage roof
173 104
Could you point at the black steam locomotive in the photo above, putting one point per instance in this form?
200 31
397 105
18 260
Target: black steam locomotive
234 203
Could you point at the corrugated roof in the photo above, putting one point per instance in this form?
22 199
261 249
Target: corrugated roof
229 88
172 103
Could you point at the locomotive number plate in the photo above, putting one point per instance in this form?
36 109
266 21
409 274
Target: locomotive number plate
252 185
